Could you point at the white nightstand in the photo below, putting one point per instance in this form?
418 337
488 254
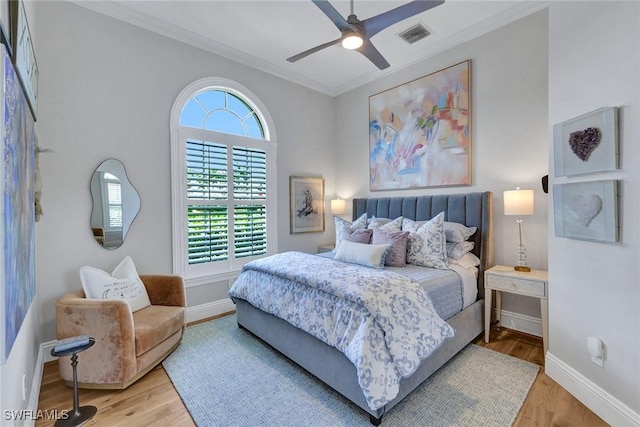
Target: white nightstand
505 279
325 248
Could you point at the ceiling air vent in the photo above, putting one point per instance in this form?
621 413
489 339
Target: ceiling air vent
415 33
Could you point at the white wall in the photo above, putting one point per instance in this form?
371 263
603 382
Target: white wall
509 133
106 91
594 61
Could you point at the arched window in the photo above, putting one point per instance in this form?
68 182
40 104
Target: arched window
223 179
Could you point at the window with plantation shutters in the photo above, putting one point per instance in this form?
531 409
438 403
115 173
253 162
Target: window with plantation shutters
227 183
112 189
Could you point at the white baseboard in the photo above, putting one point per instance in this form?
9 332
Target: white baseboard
204 311
34 395
520 322
591 395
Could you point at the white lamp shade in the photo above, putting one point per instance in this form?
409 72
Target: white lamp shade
338 206
518 202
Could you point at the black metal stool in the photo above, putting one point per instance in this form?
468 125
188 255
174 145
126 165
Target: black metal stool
79 415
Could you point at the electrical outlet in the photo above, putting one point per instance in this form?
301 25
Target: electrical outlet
596 350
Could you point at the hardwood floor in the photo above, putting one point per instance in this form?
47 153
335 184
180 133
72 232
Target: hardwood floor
153 401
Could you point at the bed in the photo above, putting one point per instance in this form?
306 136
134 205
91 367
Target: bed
331 365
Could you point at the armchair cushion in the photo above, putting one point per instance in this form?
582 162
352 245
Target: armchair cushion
155 324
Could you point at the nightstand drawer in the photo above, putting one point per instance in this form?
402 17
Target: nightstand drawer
517 285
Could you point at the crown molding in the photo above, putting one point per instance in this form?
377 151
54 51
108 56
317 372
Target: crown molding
117 11
512 14
141 20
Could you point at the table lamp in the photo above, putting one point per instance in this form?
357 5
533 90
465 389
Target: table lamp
338 206
519 202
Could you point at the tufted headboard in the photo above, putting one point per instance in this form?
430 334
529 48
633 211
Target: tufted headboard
471 209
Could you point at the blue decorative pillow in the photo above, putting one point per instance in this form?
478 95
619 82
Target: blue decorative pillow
427 245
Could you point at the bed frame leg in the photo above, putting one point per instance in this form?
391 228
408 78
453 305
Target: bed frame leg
375 421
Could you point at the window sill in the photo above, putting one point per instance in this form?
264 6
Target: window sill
190 282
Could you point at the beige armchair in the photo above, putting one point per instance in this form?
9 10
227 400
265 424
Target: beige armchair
128 345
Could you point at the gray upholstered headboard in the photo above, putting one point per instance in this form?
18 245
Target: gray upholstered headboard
471 209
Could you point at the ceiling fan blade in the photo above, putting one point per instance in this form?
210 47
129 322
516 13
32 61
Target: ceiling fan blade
335 17
373 54
375 24
299 56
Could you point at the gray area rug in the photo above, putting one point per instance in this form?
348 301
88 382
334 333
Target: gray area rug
227 377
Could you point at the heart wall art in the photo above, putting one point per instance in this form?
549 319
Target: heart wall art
587 143
587 210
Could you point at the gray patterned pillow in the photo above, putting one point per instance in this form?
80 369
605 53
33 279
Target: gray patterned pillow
457 250
397 257
356 236
358 224
385 224
427 245
456 232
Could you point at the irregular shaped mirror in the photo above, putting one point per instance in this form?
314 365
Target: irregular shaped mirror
115 204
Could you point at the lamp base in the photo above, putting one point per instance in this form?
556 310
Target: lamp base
524 268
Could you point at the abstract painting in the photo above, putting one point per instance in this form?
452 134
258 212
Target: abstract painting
17 210
587 210
420 132
587 143
306 195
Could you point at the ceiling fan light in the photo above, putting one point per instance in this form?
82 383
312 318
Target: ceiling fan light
352 40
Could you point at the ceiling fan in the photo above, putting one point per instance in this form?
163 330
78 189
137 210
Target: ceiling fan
356 34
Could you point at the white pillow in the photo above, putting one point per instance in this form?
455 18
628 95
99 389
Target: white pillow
360 253
340 224
456 232
122 284
467 260
427 245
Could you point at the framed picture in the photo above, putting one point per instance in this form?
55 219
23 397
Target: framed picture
25 57
420 132
587 210
306 195
5 25
587 143
17 210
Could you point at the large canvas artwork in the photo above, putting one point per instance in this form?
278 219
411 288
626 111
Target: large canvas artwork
17 226
420 132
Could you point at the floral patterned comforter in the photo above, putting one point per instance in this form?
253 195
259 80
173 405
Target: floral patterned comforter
383 322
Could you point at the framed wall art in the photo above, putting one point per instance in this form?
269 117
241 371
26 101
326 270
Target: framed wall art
24 57
306 195
420 132
5 25
17 208
587 143
587 210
